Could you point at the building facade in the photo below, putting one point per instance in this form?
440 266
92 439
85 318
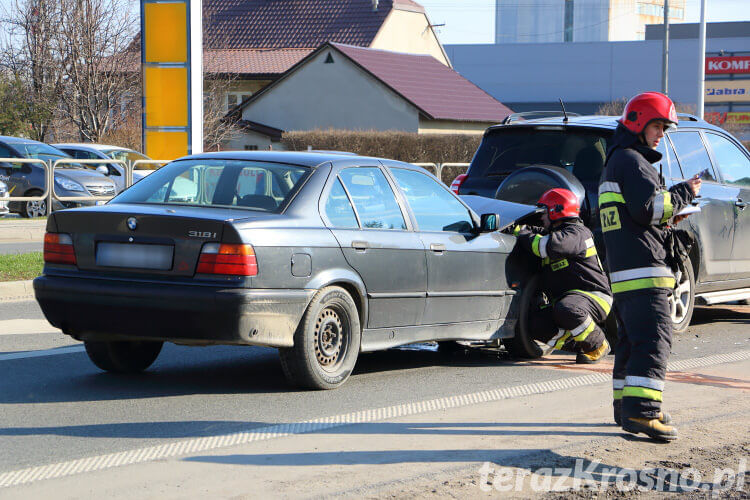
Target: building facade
550 21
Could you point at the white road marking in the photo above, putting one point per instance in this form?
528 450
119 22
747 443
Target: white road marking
26 327
42 353
169 450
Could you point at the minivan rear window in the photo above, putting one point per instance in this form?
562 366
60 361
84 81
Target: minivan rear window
580 151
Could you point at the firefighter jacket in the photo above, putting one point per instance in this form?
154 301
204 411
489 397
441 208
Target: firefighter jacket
634 208
569 261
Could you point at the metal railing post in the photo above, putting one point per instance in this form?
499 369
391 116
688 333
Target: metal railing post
50 176
47 188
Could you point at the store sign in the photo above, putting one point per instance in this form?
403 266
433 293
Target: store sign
725 65
727 91
718 118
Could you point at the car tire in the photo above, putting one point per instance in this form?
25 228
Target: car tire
682 300
326 343
523 345
123 356
30 209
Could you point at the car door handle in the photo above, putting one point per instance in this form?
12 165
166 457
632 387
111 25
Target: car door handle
360 245
437 247
740 203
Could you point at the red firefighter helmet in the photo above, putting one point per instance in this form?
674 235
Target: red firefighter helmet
560 203
643 108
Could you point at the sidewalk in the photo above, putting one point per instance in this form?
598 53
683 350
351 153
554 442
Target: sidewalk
22 230
453 452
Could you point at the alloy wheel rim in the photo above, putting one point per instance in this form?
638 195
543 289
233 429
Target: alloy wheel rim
36 208
679 300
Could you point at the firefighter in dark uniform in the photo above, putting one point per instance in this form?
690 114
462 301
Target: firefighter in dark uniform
572 278
634 208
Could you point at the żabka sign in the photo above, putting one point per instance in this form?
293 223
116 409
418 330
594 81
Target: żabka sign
724 65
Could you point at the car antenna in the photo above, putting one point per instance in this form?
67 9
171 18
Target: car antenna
565 113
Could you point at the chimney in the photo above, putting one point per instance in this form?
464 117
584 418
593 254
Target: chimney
374 5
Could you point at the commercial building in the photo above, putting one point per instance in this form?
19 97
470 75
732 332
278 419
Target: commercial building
549 21
586 75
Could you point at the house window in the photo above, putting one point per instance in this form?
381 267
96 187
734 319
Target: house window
235 98
251 147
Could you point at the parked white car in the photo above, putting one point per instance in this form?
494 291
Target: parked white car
115 171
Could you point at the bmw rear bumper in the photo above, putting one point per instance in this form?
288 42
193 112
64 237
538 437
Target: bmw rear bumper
102 309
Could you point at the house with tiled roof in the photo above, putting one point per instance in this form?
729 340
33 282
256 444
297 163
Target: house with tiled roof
254 42
348 87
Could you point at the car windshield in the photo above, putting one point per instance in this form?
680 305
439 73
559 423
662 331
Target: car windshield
44 152
241 184
127 155
580 151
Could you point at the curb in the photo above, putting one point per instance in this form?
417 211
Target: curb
28 231
11 291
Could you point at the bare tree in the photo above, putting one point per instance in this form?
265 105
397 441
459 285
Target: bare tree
98 91
218 126
29 51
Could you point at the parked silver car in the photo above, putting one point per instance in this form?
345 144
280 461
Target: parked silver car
3 194
115 171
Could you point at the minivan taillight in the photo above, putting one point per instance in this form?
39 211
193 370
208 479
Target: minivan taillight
223 258
58 249
456 184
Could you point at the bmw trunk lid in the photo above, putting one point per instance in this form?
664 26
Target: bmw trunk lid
142 239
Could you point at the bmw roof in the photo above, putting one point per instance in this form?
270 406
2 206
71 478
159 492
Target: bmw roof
304 158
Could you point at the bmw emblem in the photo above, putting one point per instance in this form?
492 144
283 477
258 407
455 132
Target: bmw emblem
132 223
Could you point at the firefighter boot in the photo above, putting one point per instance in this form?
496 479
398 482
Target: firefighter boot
591 357
664 417
652 427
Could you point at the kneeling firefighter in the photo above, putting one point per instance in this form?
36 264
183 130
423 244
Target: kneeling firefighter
572 278
634 208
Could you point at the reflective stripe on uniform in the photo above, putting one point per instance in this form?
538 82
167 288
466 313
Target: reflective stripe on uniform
535 244
618 383
581 332
649 383
663 208
609 186
641 278
610 198
617 394
590 248
641 392
604 300
543 247
558 340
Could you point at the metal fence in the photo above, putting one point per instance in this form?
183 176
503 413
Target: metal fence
49 193
446 172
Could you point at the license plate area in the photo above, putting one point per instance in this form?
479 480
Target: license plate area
134 255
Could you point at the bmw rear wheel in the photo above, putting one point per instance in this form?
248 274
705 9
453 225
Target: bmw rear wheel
326 343
123 356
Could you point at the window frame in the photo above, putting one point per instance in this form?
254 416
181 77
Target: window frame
717 167
469 212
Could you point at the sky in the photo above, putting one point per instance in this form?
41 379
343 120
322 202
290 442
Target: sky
473 21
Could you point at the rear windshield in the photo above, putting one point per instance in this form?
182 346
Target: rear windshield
580 151
244 184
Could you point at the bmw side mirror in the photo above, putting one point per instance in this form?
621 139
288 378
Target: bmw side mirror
489 223
102 170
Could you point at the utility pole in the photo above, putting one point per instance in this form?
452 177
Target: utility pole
702 61
665 54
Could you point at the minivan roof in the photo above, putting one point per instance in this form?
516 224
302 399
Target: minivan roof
600 121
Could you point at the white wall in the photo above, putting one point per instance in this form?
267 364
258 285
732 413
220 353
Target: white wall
338 95
405 31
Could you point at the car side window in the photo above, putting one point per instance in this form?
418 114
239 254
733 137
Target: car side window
5 152
669 164
373 198
731 161
692 154
338 209
434 207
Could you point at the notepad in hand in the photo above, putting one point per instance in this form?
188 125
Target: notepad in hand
691 209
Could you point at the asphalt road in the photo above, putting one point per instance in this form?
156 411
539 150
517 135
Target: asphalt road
60 407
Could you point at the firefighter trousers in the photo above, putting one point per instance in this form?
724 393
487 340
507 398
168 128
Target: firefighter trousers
570 321
645 340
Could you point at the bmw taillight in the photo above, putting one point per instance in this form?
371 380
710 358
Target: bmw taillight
223 258
58 249
456 184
